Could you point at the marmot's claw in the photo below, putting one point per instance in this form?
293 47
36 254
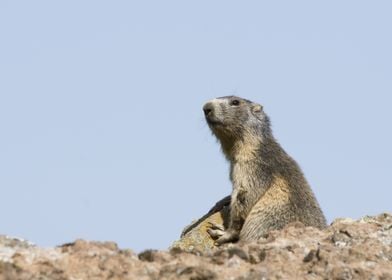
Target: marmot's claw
226 237
215 233
216 226
215 230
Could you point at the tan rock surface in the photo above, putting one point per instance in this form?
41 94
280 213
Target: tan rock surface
195 237
347 249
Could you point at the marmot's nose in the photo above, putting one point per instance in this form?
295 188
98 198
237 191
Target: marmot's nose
207 108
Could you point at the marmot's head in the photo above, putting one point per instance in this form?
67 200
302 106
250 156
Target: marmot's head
233 119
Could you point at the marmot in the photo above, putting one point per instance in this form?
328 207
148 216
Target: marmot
269 188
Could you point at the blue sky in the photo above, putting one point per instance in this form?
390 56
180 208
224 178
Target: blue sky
102 132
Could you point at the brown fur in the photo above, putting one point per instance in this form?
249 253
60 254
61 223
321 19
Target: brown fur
269 189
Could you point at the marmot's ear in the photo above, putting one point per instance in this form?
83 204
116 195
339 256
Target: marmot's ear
257 108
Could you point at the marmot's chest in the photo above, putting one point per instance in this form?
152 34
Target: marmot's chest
247 187
244 176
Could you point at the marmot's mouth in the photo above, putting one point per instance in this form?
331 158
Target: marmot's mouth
213 121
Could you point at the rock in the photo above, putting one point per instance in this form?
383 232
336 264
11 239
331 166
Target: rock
195 237
347 249
198 239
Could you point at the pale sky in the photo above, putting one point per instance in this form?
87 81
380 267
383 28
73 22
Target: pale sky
102 132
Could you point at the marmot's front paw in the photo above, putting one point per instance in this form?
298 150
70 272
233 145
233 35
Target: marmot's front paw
218 232
228 236
215 230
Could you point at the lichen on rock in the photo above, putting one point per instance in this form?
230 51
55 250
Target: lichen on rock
195 238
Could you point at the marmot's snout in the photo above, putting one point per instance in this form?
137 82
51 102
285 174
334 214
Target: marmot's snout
208 108
210 113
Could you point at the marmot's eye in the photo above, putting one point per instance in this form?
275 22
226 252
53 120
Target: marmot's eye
235 102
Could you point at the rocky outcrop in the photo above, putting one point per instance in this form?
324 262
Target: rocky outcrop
347 249
195 238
